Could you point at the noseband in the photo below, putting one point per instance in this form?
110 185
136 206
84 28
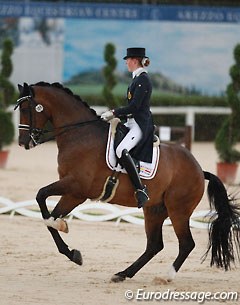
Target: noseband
36 133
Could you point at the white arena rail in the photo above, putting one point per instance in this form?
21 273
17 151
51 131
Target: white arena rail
93 211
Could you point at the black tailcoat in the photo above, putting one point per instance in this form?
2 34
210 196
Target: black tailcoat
138 97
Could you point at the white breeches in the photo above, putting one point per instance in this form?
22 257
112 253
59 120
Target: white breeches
131 139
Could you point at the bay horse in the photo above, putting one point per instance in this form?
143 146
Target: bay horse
175 191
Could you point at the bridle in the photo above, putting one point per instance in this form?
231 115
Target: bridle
36 134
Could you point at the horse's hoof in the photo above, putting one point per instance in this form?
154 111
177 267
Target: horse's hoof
116 278
62 225
160 281
76 257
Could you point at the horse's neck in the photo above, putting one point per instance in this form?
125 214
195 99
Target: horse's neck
66 111
84 143
73 121
68 117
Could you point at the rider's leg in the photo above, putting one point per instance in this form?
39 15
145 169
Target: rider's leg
132 138
140 190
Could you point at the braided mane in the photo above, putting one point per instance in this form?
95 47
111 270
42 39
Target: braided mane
67 90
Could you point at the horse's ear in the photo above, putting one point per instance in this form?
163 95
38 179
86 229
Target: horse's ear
27 89
25 86
20 88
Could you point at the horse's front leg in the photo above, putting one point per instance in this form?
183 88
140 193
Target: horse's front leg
53 221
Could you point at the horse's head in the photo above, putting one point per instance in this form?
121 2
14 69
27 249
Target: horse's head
33 117
42 102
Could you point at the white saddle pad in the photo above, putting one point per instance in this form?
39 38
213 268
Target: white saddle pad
147 170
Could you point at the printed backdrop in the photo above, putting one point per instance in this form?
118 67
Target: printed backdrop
191 54
193 46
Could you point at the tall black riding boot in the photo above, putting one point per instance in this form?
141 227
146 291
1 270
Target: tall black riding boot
140 190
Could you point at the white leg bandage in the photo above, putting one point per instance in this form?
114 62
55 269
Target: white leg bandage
171 274
58 224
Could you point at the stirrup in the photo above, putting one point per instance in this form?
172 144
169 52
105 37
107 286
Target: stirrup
141 196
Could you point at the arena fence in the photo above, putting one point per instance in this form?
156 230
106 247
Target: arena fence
94 211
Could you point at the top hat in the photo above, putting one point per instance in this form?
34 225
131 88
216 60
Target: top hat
135 52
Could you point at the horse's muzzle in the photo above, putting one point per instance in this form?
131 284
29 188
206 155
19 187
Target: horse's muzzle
24 140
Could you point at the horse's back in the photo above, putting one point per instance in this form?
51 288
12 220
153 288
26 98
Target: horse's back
176 159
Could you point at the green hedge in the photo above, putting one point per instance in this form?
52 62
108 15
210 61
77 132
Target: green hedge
6 129
164 100
207 126
171 100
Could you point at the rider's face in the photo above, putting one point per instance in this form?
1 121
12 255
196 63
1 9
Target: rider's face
132 64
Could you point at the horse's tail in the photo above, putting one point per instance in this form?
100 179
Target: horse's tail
224 230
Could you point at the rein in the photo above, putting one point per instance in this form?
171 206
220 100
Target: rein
36 133
67 128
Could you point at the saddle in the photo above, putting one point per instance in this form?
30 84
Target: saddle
117 131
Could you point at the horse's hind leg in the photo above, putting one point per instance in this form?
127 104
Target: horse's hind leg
153 227
58 188
186 243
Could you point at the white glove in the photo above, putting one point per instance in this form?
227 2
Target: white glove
107 115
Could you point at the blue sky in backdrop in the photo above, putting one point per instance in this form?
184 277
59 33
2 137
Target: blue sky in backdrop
191 54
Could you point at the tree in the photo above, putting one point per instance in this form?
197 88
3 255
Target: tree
6 94
108 73
229 133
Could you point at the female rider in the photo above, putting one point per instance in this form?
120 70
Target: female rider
139 121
